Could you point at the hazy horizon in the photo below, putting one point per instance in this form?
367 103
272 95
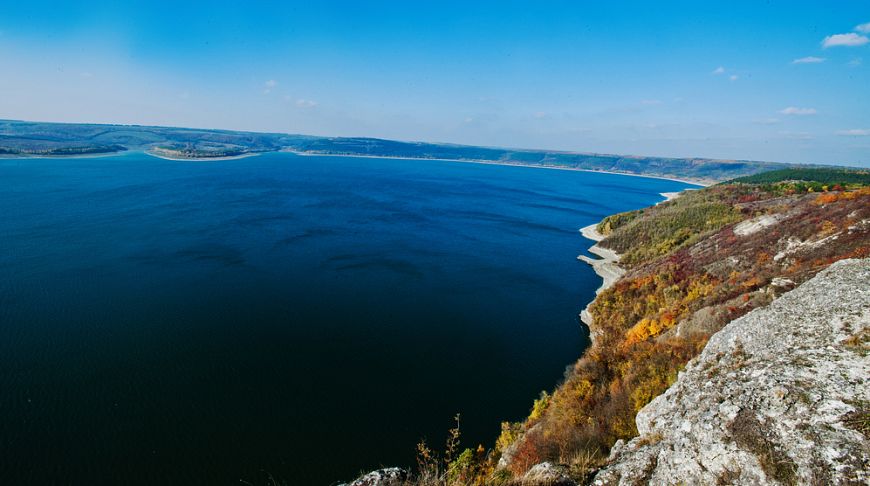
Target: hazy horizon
779 82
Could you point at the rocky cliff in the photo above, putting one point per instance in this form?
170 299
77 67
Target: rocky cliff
778 396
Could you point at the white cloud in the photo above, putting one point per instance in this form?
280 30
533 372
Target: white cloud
854 62
719 70
851 39
865 28
302 103
855 132
733 77
86 74
793 110
651 102
809 60
269 85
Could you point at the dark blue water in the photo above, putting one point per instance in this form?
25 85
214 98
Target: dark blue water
306 317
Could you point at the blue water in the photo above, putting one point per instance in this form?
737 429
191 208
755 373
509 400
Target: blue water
169 322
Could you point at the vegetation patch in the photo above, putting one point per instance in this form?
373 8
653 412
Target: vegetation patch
649 233
748 432
828 176
859 419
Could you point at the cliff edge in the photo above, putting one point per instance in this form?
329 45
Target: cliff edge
778 396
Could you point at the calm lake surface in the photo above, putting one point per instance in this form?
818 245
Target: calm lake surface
169 322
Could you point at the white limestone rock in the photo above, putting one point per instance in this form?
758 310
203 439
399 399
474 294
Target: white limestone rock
772 399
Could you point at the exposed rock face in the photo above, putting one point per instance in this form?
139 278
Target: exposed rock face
755 225
548 474
391 476
778 396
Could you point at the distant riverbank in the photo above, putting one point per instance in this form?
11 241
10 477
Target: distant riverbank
689 180
694 182
61 156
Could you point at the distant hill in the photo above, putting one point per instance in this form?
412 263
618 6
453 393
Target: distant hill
18 138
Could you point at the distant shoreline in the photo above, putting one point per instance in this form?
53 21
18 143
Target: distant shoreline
70 156
701 183
698 182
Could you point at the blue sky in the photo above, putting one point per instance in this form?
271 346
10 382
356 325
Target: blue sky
777 80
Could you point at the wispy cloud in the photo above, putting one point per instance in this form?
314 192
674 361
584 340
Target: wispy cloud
793 110
854 62
767 121
269 86
855 132
651 102
721 70
850 40
809 60
797 135
865 28
303 103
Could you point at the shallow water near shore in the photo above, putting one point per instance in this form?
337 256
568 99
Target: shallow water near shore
166 322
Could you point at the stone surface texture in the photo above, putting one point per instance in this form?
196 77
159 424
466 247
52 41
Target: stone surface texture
778 396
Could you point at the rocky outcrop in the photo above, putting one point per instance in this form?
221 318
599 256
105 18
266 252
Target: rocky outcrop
778 396
391 476
547 474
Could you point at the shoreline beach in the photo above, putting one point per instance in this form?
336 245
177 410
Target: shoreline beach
607 265
202 159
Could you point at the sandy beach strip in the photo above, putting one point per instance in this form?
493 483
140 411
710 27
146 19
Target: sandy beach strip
202 159
669 196
606 266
